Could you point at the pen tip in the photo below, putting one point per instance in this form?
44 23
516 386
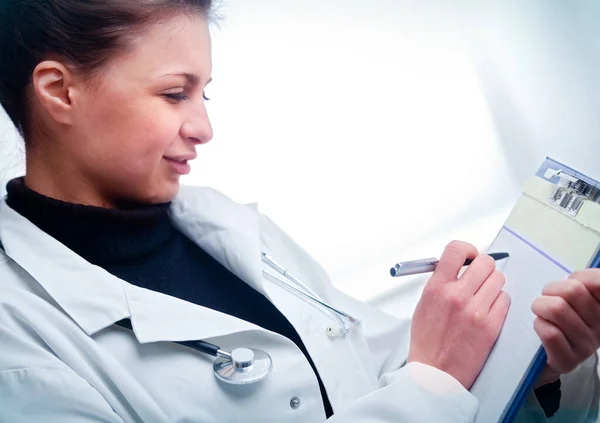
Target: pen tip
393 271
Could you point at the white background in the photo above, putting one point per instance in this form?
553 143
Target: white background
377 131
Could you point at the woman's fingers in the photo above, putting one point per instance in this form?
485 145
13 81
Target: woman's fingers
590 278
453 260
568 319
560 354
499 308
477 274
579 298
558 311
490 290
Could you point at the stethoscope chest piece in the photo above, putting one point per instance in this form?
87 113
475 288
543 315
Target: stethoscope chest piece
244 367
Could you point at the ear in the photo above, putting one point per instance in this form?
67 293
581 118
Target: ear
52 83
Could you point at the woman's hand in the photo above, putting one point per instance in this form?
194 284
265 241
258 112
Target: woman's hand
568 322
458 320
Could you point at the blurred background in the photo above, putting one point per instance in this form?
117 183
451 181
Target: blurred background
378 131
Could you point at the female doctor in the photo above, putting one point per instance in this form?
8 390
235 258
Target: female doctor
111 273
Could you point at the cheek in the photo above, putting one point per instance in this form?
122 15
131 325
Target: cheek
142 145
151 134
137 131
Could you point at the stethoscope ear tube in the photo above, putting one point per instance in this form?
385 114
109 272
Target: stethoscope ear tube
202 346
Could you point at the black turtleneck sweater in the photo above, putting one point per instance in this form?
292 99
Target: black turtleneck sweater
141 246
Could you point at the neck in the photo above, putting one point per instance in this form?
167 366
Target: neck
55 176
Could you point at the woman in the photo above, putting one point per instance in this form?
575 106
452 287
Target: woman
107 265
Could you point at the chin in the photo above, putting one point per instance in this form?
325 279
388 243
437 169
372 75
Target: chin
167 192
158 194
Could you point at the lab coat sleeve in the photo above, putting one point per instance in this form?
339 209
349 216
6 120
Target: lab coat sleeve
416 393
51 396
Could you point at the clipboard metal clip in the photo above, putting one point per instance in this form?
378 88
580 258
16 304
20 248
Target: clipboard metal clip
571 192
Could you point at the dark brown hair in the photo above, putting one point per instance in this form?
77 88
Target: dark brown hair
85 33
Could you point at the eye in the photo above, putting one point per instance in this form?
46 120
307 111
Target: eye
179 96
205 97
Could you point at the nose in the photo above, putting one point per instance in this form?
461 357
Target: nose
197 127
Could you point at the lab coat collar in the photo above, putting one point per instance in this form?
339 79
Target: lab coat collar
228 231
95 299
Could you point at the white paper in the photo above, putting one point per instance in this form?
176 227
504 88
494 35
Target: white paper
527 271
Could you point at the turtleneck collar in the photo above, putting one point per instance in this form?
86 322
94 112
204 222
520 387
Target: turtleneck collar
97 234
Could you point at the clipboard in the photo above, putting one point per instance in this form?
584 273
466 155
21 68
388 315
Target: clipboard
553 230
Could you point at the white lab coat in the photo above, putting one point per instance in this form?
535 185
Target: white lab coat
63 360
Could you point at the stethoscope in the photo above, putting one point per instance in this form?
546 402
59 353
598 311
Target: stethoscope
244 366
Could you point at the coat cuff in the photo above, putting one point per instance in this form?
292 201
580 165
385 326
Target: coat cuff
442 388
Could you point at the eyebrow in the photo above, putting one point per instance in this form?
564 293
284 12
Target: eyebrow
191 78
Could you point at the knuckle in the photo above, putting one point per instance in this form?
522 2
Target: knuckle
456 300
476 315
487 262
455 243
500 307
557 308
580 274
459 246
536 306
551 334
537 326
499 276
588 277
574 288
506 299
430 291
455 246
478 319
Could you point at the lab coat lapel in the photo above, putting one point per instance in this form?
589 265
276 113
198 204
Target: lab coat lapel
227 231
157 317
90 295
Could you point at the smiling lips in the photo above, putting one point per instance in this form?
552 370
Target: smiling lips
180 164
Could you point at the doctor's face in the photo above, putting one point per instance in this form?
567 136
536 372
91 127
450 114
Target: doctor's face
138 127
